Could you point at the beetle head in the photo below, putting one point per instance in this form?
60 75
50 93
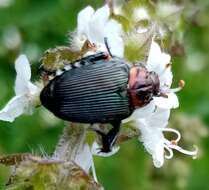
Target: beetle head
143 85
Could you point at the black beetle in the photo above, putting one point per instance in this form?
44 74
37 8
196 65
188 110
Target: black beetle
100 89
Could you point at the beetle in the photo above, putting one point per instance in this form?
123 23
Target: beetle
100 89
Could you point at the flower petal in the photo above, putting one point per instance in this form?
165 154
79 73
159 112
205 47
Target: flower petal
169 102
22 67
158 156
159 118
113 32
15 107
166 78
157 60
152 139
84 158
102 14
97 25
23 70
141 112
84 18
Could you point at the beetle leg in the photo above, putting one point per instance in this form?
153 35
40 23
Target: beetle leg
110 138
107 46
88 60
95 57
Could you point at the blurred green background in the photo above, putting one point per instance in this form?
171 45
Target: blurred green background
32 26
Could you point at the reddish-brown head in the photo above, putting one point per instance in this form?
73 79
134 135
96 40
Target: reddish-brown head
143 85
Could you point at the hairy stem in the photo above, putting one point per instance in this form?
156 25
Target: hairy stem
71 141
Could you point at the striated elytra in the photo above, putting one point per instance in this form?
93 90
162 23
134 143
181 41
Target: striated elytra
100 90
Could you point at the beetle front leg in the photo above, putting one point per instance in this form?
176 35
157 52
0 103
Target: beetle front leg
109 139
96 57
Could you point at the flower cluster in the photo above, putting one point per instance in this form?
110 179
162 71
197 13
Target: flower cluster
151 120
95 26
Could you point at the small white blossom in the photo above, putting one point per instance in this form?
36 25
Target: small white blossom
153 118
152 128
159 62
95 26
151 137
26 92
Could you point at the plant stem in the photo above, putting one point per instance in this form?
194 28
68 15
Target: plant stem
71 141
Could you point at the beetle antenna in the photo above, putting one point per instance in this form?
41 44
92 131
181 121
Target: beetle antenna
107 46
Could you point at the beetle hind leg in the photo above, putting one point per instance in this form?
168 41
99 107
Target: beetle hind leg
110 138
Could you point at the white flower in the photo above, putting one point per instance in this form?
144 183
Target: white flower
152 119
159 62
151 137
26 93
156 144
95 26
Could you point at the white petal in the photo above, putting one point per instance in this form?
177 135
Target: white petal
113 32
159 118
97 25
21 86
96 150
166 78
152 139
158 156
116 46
141 112
84 158
23 70
102 15
26 88
22 67
33 90
15 107
157 60
167 103
84 17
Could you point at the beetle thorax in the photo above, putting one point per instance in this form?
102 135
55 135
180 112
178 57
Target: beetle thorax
143 85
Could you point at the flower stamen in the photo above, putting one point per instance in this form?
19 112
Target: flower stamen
179 88
187 152
173 144
170 152
172 131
